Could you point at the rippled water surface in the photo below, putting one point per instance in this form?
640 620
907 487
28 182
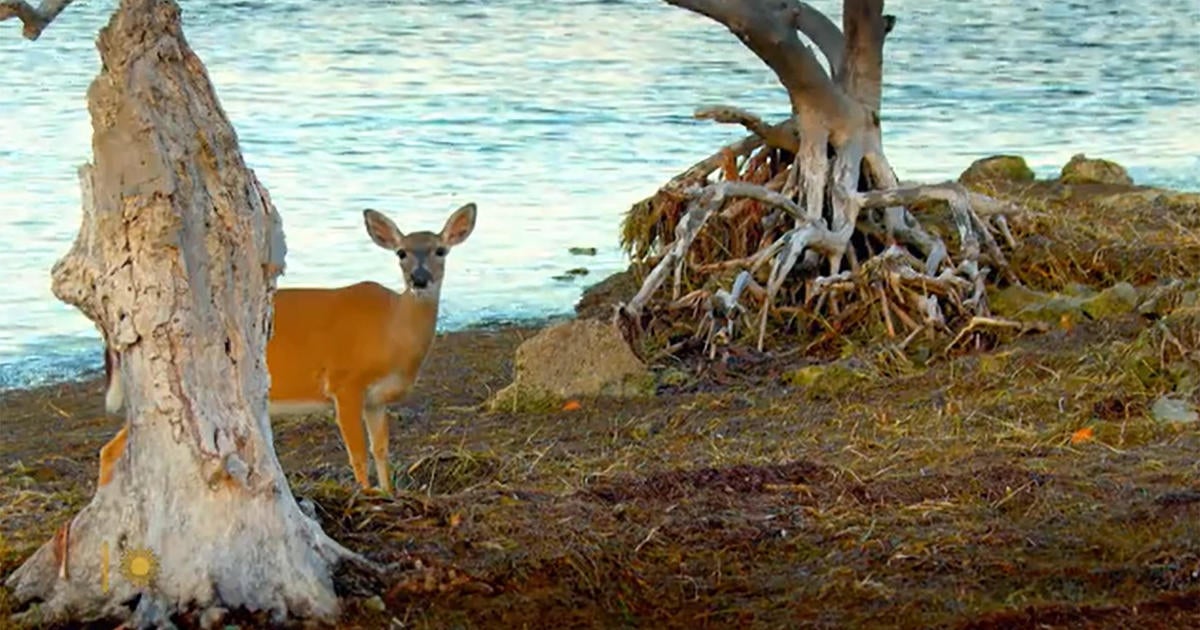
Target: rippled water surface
554 117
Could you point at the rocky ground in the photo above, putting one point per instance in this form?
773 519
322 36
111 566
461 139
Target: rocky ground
1049 480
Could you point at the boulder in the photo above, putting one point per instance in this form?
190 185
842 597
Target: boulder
577 358
1163 298
1084 170
1011 168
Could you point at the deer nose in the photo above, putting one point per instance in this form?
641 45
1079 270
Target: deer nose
421 277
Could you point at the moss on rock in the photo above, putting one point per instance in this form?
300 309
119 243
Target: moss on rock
1119 299
1009 168
826 380
1084 170
1075 302
1028 305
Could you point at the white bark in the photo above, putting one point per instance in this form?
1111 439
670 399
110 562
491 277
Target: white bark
176 261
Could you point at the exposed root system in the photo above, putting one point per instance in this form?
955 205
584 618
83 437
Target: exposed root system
800 234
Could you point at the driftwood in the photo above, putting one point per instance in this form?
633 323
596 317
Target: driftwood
34 19
811 195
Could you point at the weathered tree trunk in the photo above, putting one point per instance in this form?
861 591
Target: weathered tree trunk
175 262
835 137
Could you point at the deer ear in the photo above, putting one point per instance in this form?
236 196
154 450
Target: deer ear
382 230
459 226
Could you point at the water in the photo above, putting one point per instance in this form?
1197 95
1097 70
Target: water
554 117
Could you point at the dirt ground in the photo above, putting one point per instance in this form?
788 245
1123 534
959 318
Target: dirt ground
1028 486
925 500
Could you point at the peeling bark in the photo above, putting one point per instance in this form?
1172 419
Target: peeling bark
176 261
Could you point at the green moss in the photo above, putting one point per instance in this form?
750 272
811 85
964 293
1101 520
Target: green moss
1025 304
1119 299
826 380
674 377
1010 168
1084 170
518 398
637 385
1078 289
995 364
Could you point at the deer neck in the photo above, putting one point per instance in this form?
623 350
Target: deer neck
416 318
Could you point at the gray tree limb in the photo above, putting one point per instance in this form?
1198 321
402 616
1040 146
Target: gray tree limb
780 136
768 29
823 32
35 20
861 74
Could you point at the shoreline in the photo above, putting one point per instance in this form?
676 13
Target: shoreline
591 298
90 376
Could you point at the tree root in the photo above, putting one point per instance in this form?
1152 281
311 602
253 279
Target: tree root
86 572
910 295
816 198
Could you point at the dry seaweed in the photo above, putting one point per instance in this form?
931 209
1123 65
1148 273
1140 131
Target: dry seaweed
856 493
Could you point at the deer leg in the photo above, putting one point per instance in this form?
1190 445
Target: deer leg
377 431
348 410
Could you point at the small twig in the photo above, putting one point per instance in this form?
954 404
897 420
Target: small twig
653 531
1002 224
887 316
977 323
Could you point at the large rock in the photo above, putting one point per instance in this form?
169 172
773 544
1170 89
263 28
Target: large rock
1084 170
1009 168
577 358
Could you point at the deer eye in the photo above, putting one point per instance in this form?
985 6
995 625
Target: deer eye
441 251
401 254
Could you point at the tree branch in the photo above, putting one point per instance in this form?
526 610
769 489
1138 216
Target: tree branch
823 32
861 74
964 204
702 169
35 20
768 29
763 194
780 136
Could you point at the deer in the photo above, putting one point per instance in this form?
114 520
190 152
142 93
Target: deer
354 349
